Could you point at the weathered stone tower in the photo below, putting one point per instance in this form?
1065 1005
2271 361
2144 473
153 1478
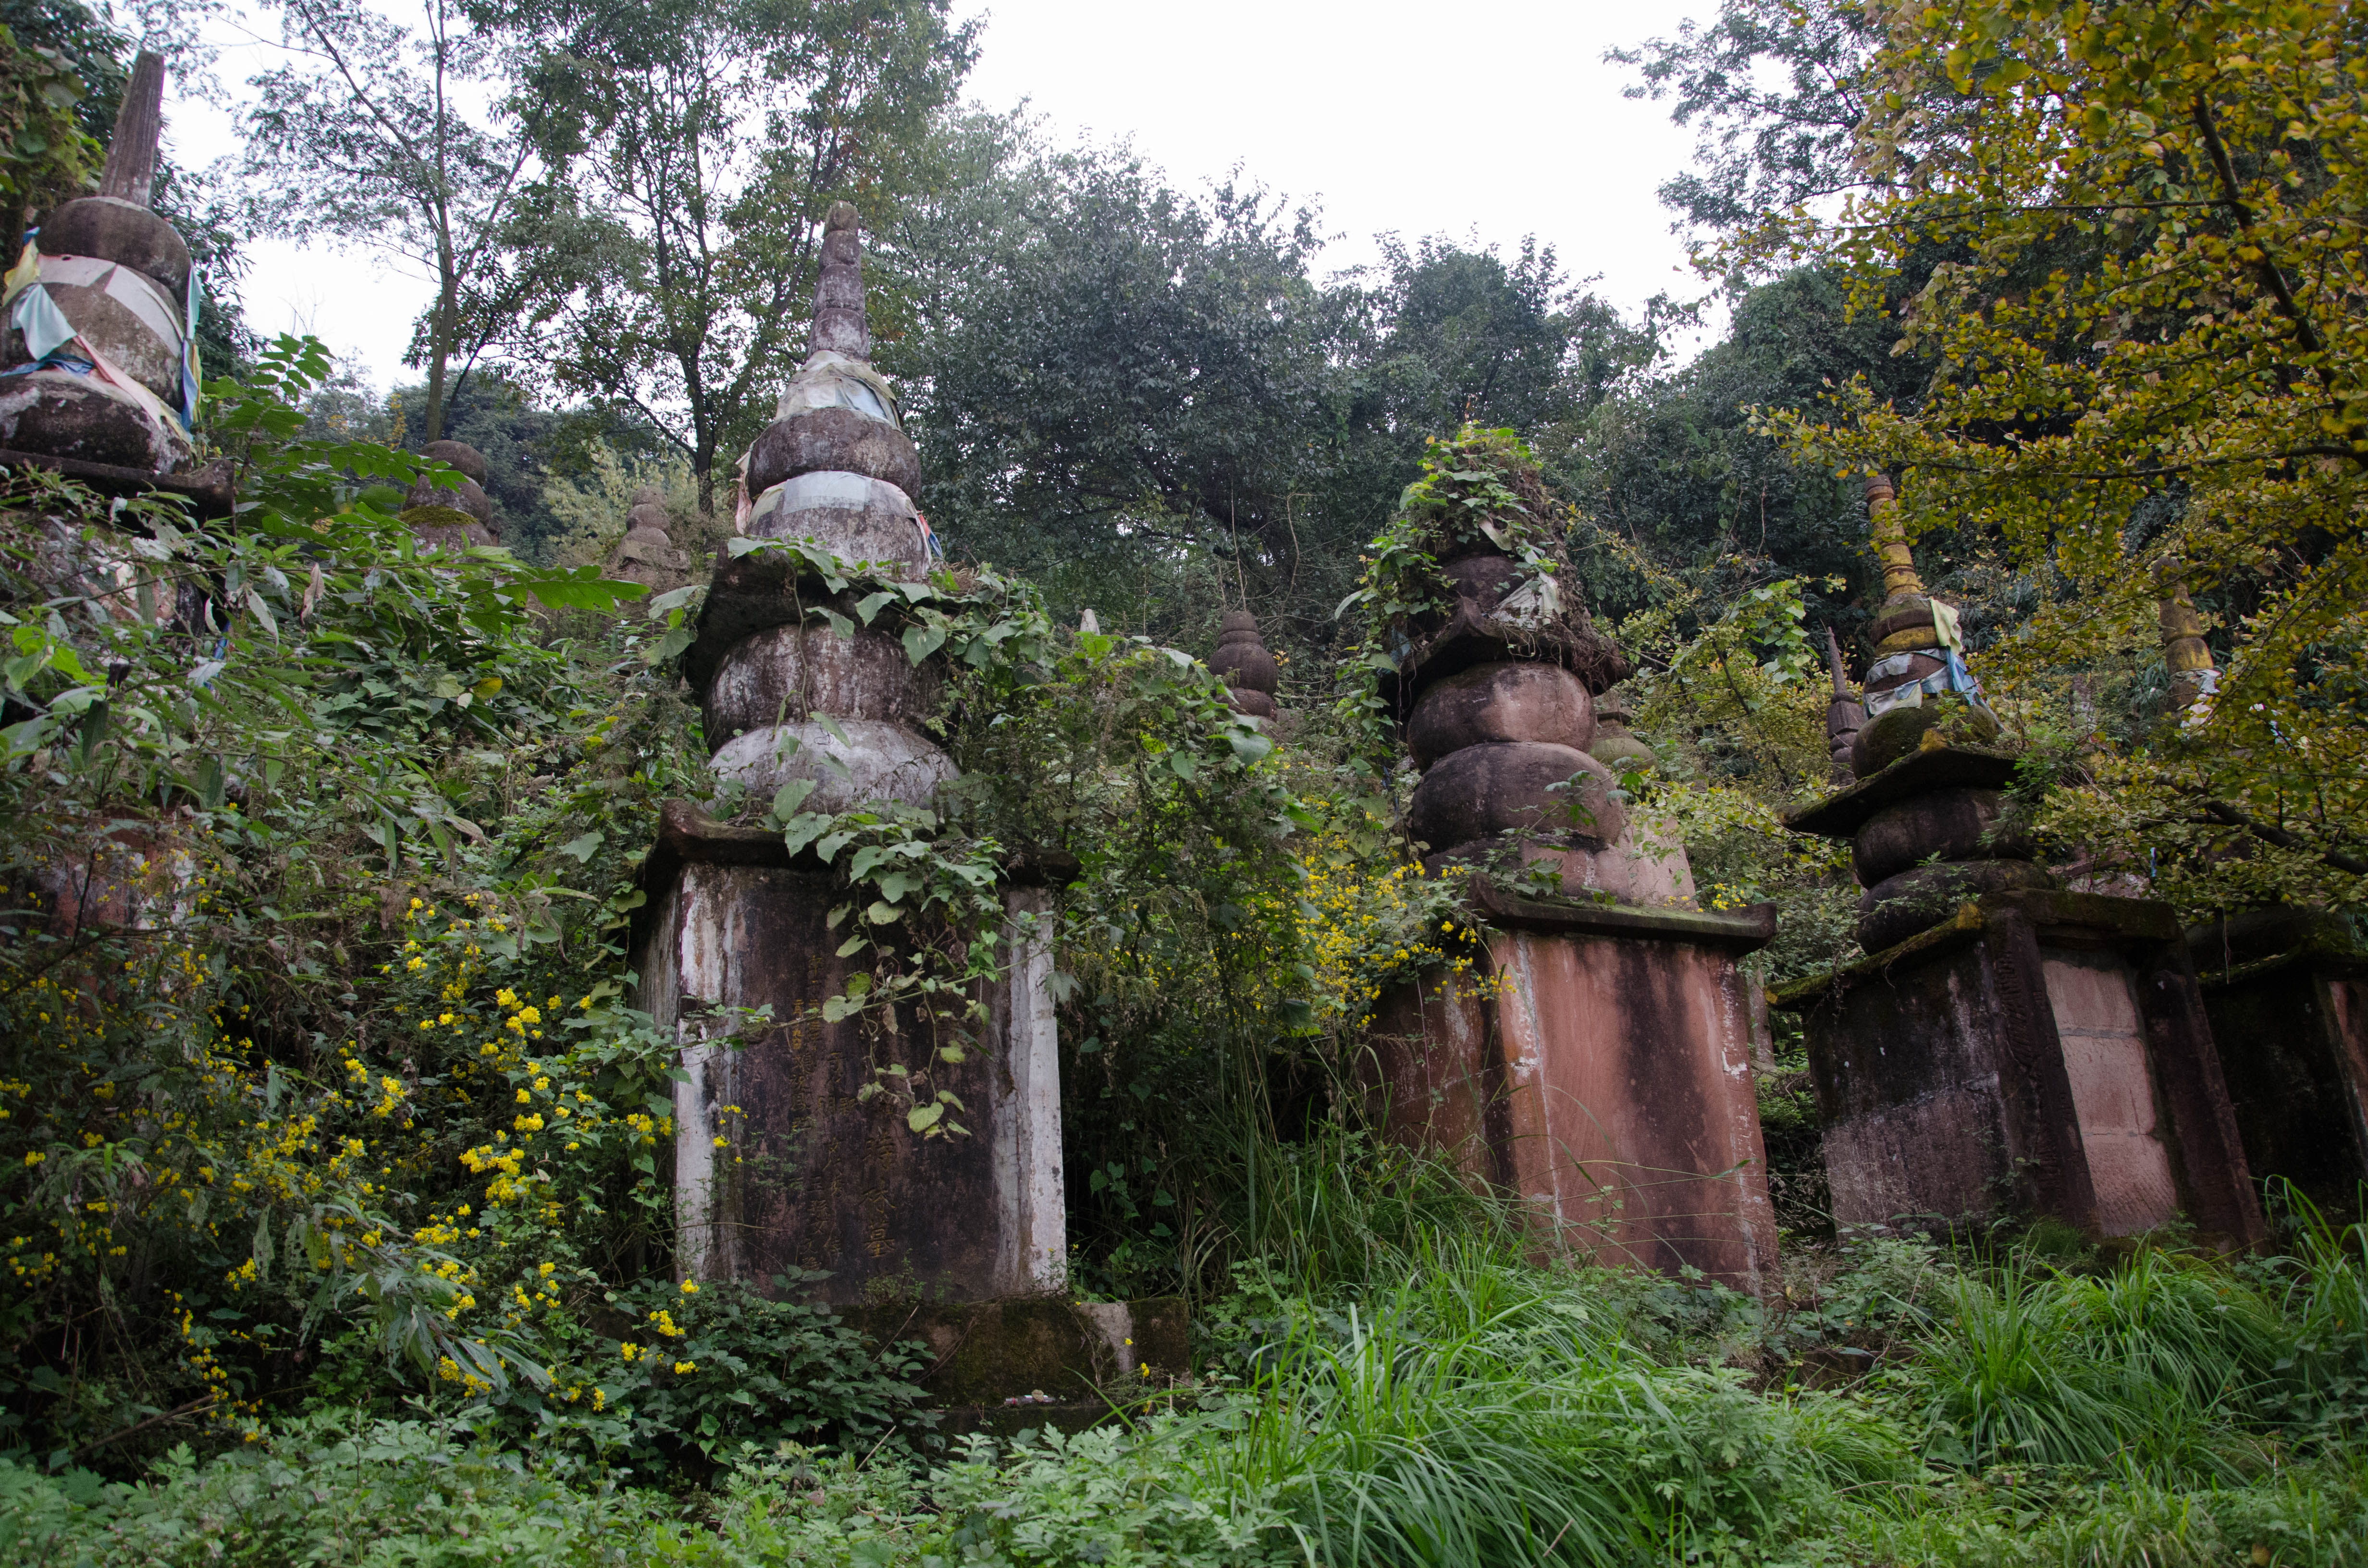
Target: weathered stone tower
2006 1049
647 554
783 1156
1244 664
100 309
1603 1071
452 517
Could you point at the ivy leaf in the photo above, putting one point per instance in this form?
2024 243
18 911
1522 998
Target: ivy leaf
802 829
920 642
789 798
922 1118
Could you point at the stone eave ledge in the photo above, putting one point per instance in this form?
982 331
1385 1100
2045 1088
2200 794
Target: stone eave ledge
1841 814
2085 915
689 836
1742 932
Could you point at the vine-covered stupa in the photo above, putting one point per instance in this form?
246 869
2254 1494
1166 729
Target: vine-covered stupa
1602 1069
788 1153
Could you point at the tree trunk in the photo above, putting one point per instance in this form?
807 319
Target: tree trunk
440 332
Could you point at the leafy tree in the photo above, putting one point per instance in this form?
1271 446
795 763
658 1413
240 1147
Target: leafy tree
2149 331
1776 89
705 141
370 137
1460 337
1126 371
1676 465
45 155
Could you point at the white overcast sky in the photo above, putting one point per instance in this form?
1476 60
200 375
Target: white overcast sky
1490 123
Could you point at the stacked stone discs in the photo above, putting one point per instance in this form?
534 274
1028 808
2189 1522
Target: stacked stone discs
446 517
120 277
647 554
787 698
1242 662
1496 696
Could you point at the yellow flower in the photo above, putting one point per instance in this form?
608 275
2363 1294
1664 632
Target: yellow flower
691 1287
684 1369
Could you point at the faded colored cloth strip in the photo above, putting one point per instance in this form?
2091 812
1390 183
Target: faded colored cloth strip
46 335
1952 676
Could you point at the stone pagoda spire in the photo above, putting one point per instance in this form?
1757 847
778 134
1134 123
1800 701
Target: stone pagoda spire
788 697
100 306
1844 715
1918 652
2195 679
1925 819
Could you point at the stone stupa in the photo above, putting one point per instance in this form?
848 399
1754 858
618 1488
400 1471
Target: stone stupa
647 554
787 698
101 305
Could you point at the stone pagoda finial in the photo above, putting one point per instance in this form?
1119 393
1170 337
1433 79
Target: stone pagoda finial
131 173
1918 653
1844 715
1242 662
2195 678
840 324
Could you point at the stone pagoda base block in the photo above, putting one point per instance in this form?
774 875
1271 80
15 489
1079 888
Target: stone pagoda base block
806 1175
2288 993
1604 1075
2037 1054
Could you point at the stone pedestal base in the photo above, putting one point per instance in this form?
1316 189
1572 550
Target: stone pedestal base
1603 1073
2287 994
777 1161
2040 1053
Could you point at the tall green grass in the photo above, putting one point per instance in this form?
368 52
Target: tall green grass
2160 1363
1485 1411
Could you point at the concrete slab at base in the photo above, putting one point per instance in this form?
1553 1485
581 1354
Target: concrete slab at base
1072 1352
2040 1053
1604 1075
